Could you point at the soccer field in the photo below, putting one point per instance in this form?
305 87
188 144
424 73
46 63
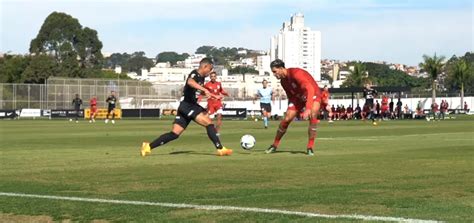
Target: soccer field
390 172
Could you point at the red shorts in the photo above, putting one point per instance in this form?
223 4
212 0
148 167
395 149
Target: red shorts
93 109
300 105
214 108
384 108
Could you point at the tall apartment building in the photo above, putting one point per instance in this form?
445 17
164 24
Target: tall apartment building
298 46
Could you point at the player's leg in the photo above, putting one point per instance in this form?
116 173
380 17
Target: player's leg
269 113
179 125
77 115
175 132
290 115
312 128
218 113
372 113
219 122
108 113
113 116
94 114
203 119
265 116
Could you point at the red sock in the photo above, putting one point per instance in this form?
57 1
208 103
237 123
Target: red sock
280 132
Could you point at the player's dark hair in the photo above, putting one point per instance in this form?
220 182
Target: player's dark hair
277 64
206 60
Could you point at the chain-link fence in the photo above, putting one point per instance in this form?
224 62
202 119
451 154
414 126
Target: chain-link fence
58 93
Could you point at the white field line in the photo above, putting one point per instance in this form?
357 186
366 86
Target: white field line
217 207
395 137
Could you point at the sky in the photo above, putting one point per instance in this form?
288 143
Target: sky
367 30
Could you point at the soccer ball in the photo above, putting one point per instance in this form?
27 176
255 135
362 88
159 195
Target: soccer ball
247 142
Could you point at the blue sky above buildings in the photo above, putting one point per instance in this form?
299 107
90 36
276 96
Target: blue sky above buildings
368 30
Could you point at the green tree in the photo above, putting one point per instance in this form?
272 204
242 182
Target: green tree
138 61
462 72
89 49
433 66
325 76
171 57
118 59
12 67
384 76
357 77
451 82
204 50
39 69
72 46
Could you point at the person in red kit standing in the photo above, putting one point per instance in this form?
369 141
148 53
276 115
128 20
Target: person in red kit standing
93 113
214 105
304 99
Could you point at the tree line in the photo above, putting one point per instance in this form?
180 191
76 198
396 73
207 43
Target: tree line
453 75
64 48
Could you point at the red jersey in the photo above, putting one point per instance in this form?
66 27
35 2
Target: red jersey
384 100
300 87
214 88
93 102
325 97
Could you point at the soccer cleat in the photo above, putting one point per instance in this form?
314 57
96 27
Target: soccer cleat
224 152
271 149
374 123
145 150
309 152
106 121
113 121
330 121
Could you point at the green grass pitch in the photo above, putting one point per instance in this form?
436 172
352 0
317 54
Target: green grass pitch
405 169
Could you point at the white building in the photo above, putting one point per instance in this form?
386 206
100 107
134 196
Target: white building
263 64
298 46
193 61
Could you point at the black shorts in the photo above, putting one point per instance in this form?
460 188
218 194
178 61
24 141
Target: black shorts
266 107
187 112
110 109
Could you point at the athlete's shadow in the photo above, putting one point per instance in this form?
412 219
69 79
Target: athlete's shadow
280 151
191 153
203 153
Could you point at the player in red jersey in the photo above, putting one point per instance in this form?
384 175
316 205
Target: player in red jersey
93 104
325 107
214 105
304 98
385 111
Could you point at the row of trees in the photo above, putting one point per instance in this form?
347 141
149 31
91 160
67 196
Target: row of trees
457 73
38 68
134 62
381 75
63 48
